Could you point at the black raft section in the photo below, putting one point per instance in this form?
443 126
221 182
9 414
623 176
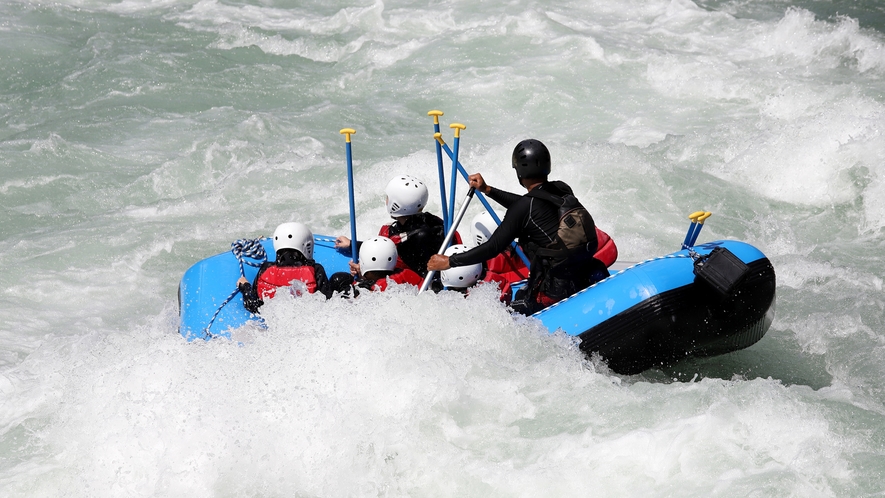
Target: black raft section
696 320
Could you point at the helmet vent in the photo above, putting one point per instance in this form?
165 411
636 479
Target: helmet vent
394 207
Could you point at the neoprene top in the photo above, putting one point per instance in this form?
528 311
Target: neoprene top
532 220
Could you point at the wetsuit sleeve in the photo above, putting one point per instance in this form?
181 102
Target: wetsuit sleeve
503 197
509 229
251 301
324 286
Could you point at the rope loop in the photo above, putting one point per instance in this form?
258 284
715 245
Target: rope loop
248 248
241 248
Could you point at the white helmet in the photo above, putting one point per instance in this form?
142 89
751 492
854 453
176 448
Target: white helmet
406 195
296 236
482 227
377 253
460 276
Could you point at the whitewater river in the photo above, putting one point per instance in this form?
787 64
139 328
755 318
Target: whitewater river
138 137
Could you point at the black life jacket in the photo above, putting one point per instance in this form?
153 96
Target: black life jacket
576 238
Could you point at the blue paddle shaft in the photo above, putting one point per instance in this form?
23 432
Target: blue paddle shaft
688 235
452 183
694 235
442 180
353 253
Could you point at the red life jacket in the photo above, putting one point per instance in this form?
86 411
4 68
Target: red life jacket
606 251
400 276
509 266
502 282
281 276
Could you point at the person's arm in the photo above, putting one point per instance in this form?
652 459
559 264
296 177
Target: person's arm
500 239
503 197
342 243
324 286
251 300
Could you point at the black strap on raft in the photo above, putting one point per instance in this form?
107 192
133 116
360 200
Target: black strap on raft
241 248
721 270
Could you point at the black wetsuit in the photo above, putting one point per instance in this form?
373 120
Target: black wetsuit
536 222
285 257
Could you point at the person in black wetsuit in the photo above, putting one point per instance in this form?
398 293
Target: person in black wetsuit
535 220
293 244
417 234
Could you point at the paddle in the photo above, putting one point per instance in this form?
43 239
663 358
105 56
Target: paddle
457 127
449 236
347 132
482 198
694 229
439 165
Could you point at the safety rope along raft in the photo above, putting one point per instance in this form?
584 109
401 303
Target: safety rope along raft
241 248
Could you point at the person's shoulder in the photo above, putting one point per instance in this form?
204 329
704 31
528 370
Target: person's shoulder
555 186
429 218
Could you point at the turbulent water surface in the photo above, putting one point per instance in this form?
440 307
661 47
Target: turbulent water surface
138 137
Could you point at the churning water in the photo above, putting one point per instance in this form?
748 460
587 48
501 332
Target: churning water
138 137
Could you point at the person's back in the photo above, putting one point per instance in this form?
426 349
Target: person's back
289 267
293 266
380 281
569 261
417 237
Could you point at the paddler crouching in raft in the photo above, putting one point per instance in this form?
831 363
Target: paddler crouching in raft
293 244
559 268
378 257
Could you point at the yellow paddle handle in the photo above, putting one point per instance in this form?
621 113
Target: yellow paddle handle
699 216
347 132
457 127
436 114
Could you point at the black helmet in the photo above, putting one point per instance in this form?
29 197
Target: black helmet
531 159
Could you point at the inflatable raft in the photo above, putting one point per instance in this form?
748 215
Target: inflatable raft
712 299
